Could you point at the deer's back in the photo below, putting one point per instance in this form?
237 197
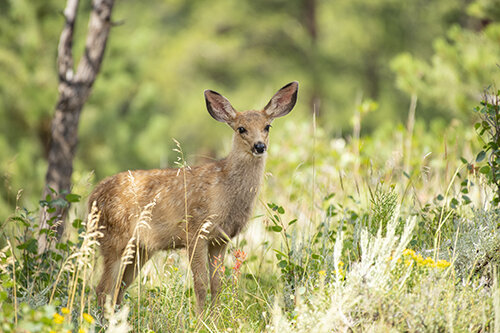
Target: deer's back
167 193
210 194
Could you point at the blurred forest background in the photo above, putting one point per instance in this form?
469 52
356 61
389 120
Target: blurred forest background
161 55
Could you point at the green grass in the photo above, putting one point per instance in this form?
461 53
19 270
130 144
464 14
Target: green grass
326 251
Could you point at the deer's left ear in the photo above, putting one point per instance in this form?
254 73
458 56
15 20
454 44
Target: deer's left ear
283 101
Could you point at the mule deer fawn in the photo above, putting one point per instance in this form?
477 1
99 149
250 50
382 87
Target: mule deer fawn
198 208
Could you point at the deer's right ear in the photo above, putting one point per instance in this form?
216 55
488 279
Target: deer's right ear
219 107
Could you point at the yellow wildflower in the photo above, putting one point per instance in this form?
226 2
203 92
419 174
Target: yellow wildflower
408 252
341 263
428 262
52 331
340 272
81 330
419 259
65 310
88 318
322 273
58 319
442 264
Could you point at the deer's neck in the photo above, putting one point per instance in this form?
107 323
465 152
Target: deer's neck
243 175
244 172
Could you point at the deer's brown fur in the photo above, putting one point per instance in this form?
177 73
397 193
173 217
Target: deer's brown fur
217 196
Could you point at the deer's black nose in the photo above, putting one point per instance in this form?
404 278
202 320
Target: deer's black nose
259 147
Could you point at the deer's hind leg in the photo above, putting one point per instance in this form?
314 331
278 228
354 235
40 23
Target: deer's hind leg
109 276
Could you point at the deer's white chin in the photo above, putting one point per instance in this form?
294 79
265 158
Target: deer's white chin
259 155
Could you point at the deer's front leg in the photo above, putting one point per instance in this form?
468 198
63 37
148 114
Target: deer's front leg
198 258
216 253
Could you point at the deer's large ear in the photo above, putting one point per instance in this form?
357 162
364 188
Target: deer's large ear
219 107
283 101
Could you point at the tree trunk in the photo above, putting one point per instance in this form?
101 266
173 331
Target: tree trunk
310 20
74 89
311 24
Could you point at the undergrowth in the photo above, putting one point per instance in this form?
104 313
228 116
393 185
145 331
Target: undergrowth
343 240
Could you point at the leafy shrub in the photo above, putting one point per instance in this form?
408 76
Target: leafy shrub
489 133
40 283
476 249
391 288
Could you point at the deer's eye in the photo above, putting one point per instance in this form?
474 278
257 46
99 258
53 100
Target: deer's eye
241 130
267 128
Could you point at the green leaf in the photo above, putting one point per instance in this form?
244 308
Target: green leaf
292 222
77 223
276 228
43 203
440 197
8 309
328 197
464 161
62 246
59 202
466 199
330 211
20 219
73 197
283 263
31 246
454 203
279 252
480 156
485 169
281 210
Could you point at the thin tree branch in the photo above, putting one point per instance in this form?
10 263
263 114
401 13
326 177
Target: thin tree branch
99 26
64 49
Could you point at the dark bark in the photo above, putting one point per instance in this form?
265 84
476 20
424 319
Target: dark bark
310 20
311 25
74 89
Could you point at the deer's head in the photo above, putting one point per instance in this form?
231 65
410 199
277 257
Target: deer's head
252 127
